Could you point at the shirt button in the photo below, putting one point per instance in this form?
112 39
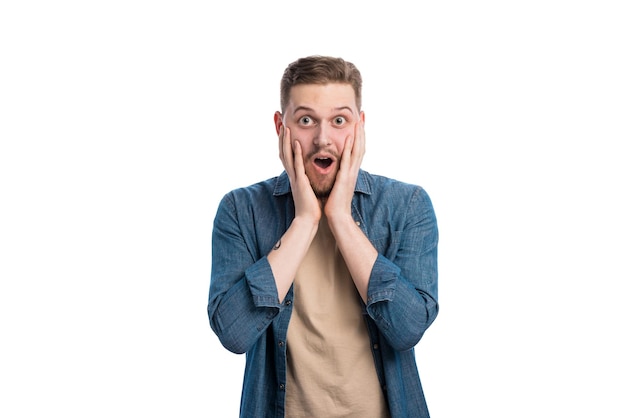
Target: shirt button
287 302
281 343
375 346
282 386
358 223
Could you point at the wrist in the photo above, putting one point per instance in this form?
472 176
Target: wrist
305 223
340 220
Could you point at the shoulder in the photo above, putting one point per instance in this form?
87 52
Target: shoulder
259 192
378 185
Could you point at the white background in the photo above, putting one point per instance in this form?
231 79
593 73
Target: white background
123 123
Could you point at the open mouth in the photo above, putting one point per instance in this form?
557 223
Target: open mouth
323 162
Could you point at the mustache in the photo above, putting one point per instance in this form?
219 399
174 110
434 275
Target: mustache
314 153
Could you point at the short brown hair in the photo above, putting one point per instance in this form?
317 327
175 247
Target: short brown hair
317 69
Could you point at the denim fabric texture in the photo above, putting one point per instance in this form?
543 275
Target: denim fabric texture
246 315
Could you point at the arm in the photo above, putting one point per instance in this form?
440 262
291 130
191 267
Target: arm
400 294
243 299
288 253
247 289
357 251
403 288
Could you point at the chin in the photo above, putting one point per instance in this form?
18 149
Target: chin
323 194
322 185
323 190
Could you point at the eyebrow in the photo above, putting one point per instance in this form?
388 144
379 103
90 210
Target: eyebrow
308 109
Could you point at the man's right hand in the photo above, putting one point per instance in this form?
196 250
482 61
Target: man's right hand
306 203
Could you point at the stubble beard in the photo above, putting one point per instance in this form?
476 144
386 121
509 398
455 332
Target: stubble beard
322 191
323 187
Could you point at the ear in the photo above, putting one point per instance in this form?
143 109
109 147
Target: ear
278 121
362 117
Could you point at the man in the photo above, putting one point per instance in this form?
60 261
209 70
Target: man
325 276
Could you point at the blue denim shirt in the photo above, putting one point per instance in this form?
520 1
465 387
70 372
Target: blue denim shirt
247 316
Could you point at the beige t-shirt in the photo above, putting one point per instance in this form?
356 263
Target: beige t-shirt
330 367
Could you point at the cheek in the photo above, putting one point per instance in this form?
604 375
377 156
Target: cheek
305 138
340 143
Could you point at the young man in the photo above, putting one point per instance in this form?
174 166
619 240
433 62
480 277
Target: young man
325 276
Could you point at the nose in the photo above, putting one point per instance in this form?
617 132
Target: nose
322 136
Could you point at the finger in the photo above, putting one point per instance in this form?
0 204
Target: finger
298 159
287 152
347 153
281 140
360 139
358 150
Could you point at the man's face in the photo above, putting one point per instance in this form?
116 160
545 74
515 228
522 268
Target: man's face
321 117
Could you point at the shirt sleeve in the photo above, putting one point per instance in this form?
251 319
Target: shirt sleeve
243 299
402 292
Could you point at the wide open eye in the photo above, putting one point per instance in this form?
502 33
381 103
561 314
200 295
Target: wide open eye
305 120
339 121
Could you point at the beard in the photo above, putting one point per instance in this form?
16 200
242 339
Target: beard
322 191
322 185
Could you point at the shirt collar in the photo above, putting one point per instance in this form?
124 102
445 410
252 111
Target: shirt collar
362 184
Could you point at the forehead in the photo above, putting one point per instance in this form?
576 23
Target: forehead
321 96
